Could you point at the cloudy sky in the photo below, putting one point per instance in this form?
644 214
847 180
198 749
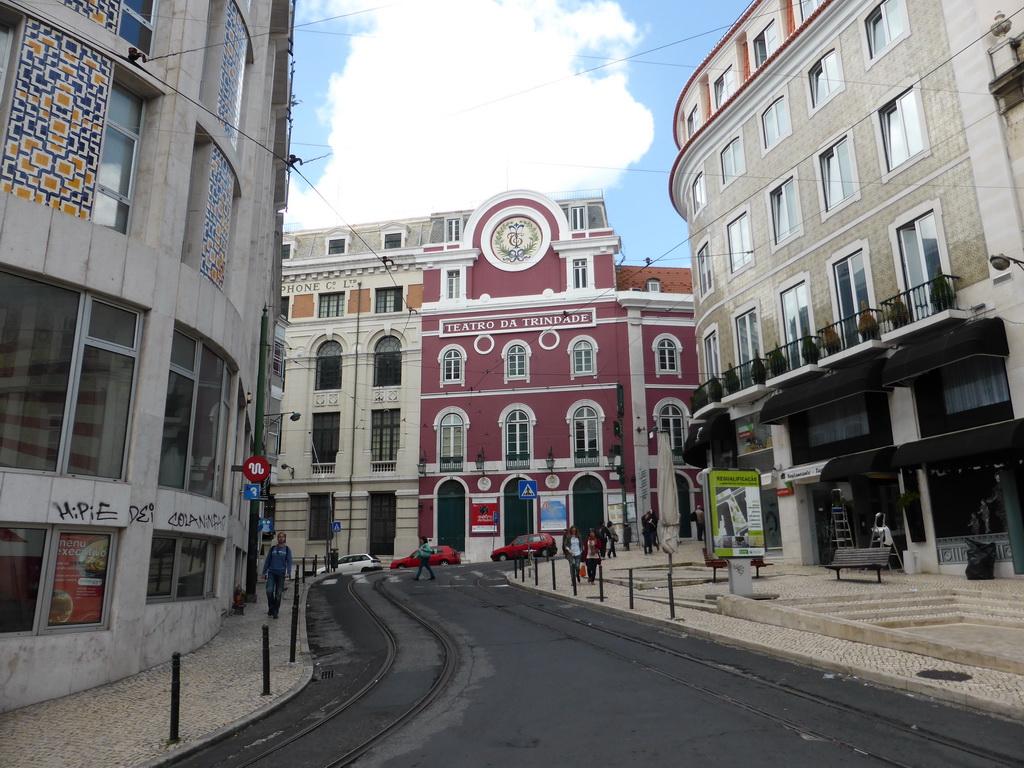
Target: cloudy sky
409 108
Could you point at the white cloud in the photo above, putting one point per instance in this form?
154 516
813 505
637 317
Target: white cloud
442 104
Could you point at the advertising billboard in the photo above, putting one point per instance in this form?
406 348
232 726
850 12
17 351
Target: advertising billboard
737 528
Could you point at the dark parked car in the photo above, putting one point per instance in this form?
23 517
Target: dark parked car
442 555
541 544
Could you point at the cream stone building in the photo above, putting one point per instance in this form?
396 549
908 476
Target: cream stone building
846 176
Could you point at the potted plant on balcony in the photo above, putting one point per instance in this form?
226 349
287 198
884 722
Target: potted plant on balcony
867 325
777 362
758 374
809 349
941 292
830 341
899 315
732 381
714 387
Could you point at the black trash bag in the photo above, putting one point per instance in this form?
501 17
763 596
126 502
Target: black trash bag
981 560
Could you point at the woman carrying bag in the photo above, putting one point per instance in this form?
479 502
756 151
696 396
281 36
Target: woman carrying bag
424 553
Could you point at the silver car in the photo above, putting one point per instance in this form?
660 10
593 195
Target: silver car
348 564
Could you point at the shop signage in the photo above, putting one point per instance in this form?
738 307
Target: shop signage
484 517
798 473
541 321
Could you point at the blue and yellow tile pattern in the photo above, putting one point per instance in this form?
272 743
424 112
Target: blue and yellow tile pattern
52 146
217 223
103 12
232 71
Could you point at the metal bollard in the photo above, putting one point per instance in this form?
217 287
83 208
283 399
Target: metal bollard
515 567
295 622
600 580
303 567
553 586
314 564
631 589
671 597
266 660
575 578
536 573
175 694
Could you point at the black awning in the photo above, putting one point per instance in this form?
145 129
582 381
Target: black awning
863 463
982 337
835 386
1000 442
700 436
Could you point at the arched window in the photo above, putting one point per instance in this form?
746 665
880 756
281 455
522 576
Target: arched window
671 418
584 437
668 356
515 362
328 366
387 362
451 366
452 443
517 440
582 357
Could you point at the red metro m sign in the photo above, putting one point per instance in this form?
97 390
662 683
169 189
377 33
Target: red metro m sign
256 469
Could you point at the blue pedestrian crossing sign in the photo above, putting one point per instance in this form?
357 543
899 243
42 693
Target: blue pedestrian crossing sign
336 526
528 489
252 491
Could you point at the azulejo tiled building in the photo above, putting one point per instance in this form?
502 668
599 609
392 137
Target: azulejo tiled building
848 170
142 171
438 362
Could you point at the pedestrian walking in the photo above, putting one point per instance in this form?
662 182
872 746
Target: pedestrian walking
627 534
424 553
276 568
608 539
572 547
649 527
592 554
698 518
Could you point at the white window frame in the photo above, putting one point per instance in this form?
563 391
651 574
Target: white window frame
793 287
330 244
911 218
776 115
744 316
456 275
653 285
807 7
580 273
578 218
834 78
698 193
144 24
914 138
746 254
592 431
828 208
452 374
693 122
724 86
890 12
576 372
126 135
850 251
711 352
768 39
734 151
669 364
384 235
570 272
705 269
440 428
452 230
784 211
531 423
528 353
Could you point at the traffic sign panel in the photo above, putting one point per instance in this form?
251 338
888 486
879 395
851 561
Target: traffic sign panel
528 489
336 526
256 469
251 491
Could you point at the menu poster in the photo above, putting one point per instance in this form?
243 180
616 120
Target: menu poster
80 578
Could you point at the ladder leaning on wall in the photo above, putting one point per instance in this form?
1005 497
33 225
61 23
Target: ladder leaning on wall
842 536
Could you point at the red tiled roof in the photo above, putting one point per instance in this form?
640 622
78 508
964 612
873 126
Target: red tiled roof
673 279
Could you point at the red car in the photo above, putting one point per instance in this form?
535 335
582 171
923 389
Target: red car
443 555
541 544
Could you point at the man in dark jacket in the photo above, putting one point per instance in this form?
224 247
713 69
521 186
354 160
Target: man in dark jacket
276 568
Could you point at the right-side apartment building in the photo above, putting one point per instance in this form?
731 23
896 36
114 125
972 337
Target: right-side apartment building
850 175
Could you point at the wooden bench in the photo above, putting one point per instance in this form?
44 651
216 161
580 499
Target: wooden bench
875 557
714 563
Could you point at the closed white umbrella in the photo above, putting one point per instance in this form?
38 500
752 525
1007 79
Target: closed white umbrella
668 497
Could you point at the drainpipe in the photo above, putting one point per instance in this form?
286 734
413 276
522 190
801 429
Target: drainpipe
355 389
252 552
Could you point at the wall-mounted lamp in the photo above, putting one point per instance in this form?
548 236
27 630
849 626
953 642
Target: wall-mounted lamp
291 470
1002 262
652 432
612 456
550 460
480 462
422 465
292 416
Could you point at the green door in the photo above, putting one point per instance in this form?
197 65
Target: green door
451 515
683 494
588 509
518 512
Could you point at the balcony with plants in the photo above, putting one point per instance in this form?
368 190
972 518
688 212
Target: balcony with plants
794 362
707 398
923 309
744 382
853 338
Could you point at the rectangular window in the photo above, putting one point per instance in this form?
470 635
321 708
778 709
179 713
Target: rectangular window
326 432
824 77
704 270
841 420
725 85
714 367
902 129
784 215
765 44
138 18
385 429
851 285
393 240
336 246
740 250
807 7
578 217
331 305
116 175
64 354
693 121
884 25
195 574
973 383
698 192
82 563
580 278
796 322
919 251
278 362
284 306
836 174
453 284
320 517
732 161
452 230
775 122
388 300
748 346
163 552
286 251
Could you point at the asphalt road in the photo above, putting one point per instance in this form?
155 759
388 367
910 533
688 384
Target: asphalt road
540 681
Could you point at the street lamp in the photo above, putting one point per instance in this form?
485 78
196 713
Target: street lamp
550 460
422 465
480 462
1002 262
292 416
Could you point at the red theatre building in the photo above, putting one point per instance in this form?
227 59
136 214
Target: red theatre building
544 369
